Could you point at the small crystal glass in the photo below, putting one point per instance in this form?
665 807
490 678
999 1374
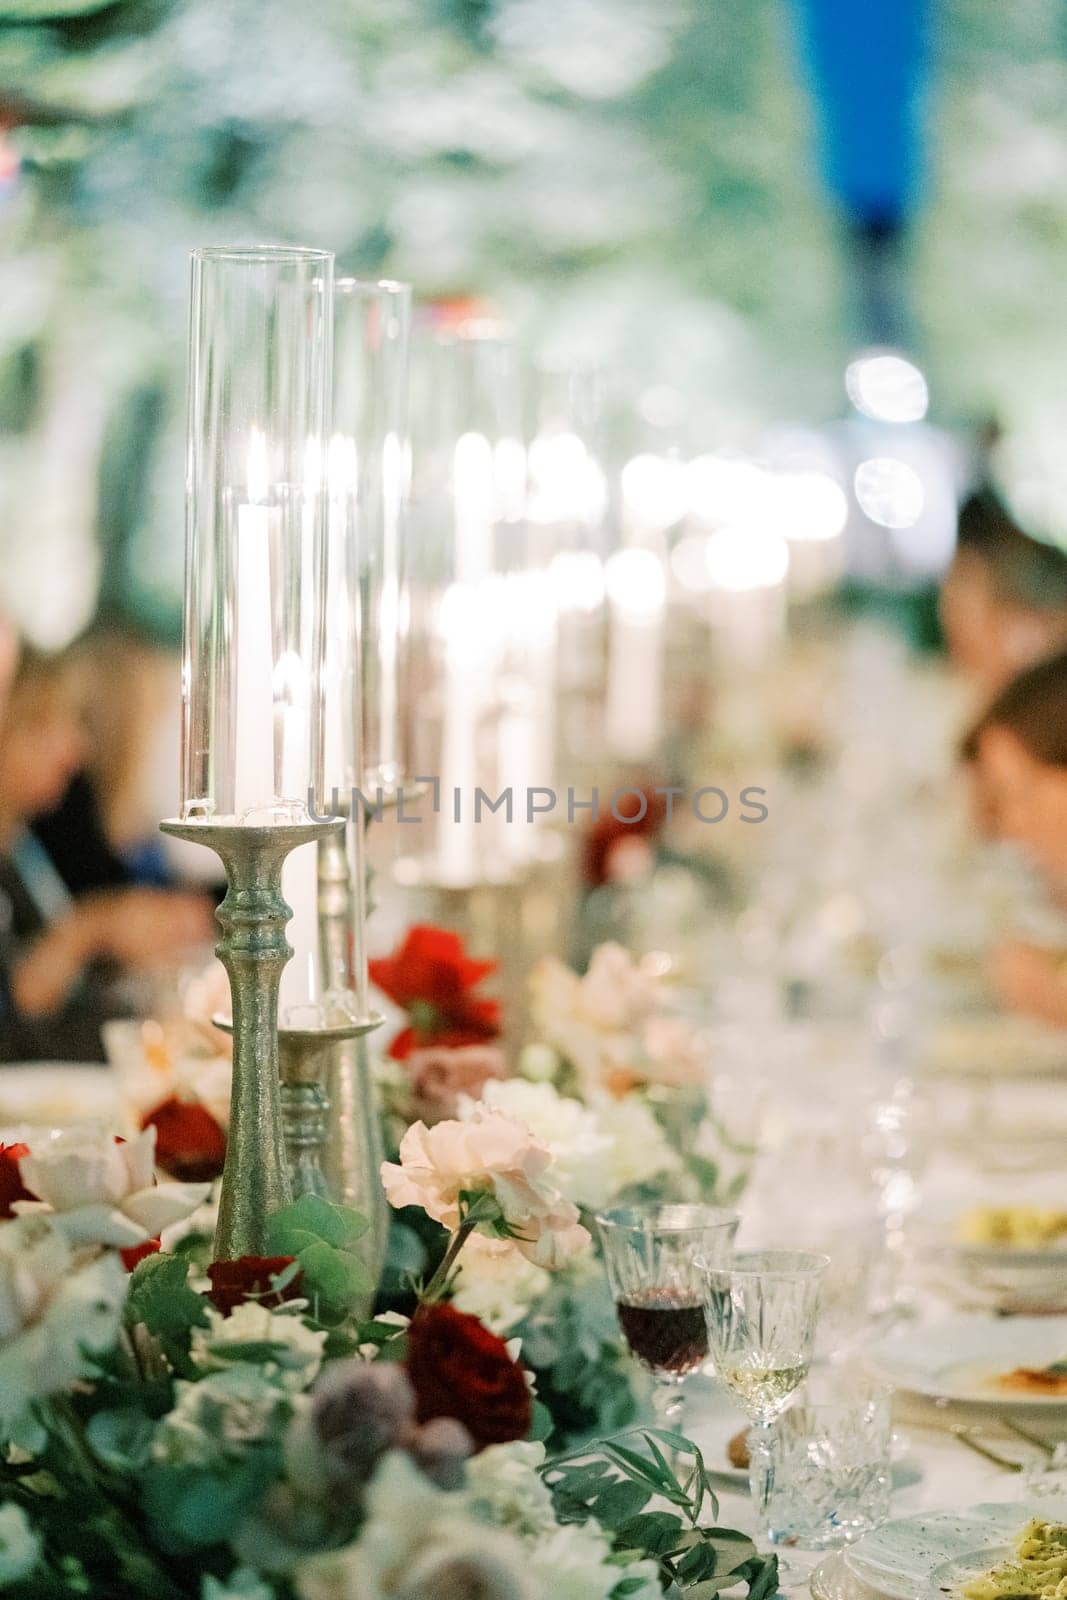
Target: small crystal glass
762 1312
650 1253
822 1472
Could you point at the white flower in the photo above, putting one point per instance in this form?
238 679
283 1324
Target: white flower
219 1418
505 1485
242 1584
612 1024
581 1150
497 1284
418 1541
573 1563
493 1154
296 1361
20 1548
640 1150
52 1312
102 1190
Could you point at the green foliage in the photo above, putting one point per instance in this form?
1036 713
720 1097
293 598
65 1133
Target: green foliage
320 1235
614 1483
571 1343
161 1300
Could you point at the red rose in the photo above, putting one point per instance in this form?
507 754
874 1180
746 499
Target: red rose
190 1145
12 1187
459 1369
432 977
248 1278
606 835
133 1253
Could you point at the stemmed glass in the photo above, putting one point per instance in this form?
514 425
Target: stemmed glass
650 1252
762 1311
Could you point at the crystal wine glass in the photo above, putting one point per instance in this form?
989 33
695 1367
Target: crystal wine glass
650 1252
762 1309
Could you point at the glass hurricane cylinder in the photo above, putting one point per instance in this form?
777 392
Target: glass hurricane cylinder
369 484
468 506
259 366
259 356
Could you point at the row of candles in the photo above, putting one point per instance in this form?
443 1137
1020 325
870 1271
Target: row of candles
359 612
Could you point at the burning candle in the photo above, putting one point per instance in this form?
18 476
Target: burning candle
254 702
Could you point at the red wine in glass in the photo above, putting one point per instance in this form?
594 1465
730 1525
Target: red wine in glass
665 1329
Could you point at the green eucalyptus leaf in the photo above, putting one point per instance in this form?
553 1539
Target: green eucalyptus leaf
311 1215
122 1440
160 1297
338 1276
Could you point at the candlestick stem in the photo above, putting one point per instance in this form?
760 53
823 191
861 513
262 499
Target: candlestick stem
254 950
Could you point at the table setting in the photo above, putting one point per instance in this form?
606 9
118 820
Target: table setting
539 1192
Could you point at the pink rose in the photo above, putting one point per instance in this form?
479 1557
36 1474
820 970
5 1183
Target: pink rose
440 1075
495 1154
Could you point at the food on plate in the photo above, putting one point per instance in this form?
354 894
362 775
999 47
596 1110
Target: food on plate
1046 1381
737 1450
1037 1571
1013 1227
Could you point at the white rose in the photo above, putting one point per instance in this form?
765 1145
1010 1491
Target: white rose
418 1541
640 1150
52 1312
102 1190
20 1548
573 1563
496 1283
296 1363
505 1484
581 1149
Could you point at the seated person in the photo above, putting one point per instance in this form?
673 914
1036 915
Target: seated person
59 955
1019 750
1004 599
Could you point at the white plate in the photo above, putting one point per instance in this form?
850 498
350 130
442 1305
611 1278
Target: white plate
996 1047
950 1577
833 1579
900 1558
958 1360
50 1095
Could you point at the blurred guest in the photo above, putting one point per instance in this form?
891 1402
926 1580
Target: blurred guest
102 833
1004 598
61 954
1019 748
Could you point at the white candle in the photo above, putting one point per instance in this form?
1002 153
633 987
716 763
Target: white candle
300 887
633 715
466 622
254 647
459 624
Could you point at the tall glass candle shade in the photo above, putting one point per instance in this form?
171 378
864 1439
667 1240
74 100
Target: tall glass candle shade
369 485
468 522
259 385
568 504
260 352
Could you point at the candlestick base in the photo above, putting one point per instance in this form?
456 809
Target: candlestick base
254 950
306 1058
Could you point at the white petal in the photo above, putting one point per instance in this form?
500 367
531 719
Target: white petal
100 1225
157 1207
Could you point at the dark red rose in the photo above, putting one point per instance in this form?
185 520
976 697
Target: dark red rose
607 834
248 1278
12 1187
190 1145
459 1369
432 977
134 1253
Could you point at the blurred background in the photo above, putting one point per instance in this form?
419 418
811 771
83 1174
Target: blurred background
717 205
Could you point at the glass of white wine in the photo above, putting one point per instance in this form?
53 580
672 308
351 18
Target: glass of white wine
762 1311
